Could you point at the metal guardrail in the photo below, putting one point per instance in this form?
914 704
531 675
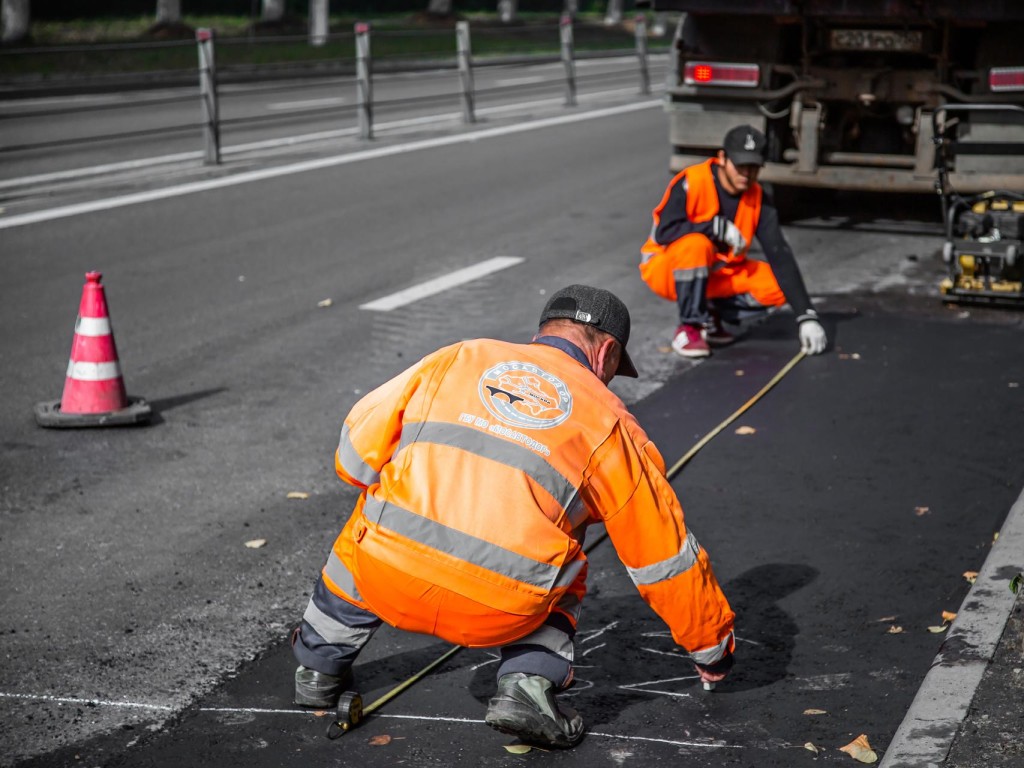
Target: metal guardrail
211 76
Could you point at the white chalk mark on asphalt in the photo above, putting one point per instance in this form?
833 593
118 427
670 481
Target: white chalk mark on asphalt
495 658
319 713
88 702
602 645
666 653
586 637
642 686
443 283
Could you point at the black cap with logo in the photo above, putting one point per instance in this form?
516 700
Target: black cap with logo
597 307
745 145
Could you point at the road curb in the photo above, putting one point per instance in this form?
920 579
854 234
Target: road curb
927 732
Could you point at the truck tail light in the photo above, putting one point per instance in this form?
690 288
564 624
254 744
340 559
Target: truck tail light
719 73
1006 79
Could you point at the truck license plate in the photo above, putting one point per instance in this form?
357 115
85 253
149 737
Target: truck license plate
876 40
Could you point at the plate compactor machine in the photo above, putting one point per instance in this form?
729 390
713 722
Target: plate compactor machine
984 231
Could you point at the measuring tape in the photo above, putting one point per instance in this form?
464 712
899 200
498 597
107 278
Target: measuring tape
350 709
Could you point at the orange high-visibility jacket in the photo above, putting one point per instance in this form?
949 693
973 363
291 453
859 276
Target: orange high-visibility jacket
702 205
480 467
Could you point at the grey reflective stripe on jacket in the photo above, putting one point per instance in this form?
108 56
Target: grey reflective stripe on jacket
668 568
341 577
712 654
686 275
333 631
353 463
469 548
497 449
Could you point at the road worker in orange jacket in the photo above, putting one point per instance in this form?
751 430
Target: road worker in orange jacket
480 468
697 250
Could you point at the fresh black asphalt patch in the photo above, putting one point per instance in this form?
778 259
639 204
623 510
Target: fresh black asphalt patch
840 527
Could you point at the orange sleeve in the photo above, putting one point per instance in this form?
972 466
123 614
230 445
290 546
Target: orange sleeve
629 491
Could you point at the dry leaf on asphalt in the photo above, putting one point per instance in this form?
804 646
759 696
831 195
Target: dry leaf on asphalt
810 747
815 712
298 495
948 615
740 372
894 630
320 713
860 750
971 576
921 511
324 303
745 431
256 543
936 630
518 749
380 740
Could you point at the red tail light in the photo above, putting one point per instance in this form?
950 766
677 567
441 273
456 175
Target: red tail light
717 73
1006 79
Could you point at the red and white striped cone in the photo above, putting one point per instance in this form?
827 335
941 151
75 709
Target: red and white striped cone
94 393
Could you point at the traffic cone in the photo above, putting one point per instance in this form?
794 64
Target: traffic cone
94 393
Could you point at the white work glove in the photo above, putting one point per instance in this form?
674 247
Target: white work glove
724 231
812 337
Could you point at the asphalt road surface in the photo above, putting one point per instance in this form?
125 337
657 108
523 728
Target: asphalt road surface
138 629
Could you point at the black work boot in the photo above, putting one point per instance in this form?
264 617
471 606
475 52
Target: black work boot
317 689
525 706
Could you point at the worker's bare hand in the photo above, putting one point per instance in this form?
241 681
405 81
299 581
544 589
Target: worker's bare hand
709 677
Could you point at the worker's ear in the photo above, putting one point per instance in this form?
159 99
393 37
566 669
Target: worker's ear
721 156
609 354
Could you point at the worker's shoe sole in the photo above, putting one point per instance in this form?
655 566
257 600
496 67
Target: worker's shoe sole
316 689
525 706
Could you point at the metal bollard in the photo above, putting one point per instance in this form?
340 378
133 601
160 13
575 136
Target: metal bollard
565 32
465 54
641 54
318 22
208 95
364 80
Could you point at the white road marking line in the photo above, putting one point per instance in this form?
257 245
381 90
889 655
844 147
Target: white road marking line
328 101
519 81
390 126
439 284
263 174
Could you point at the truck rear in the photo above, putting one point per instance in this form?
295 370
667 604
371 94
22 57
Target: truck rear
845 90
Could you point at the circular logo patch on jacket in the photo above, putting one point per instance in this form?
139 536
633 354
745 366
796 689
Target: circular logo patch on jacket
525 395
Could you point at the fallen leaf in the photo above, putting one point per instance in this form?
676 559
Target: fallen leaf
324 303
995 537
894 630
518 749
971 576
815 712
948 615
812 748
855 356
1013 384
844 356
320 713
380 740
740 373
256 543
936 630
921 511
1015 582
745 431
664 350
860 750
298 495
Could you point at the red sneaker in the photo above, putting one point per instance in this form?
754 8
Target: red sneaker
689 341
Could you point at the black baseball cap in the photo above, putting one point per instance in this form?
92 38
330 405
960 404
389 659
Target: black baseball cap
745 145
597 307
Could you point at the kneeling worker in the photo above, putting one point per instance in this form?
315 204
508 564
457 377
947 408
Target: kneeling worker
697 250
480 468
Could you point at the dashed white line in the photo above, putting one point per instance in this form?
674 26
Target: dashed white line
439 284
